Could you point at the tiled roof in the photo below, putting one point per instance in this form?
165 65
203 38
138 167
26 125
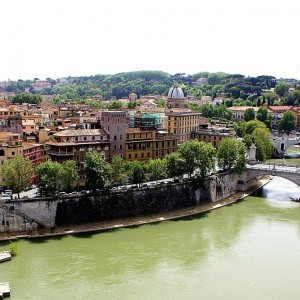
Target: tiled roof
81 132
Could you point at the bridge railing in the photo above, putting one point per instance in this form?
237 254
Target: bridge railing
275 168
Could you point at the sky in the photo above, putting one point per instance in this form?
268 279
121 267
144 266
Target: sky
61 38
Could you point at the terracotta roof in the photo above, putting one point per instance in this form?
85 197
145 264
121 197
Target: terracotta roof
30 145
81 132
243 108
274 108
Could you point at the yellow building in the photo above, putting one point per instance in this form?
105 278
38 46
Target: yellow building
181 124
143 145
10 147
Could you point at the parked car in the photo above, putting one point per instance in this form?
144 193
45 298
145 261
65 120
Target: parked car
62 194
122 188
7 193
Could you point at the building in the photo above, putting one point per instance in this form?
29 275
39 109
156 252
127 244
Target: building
115 122
182 124
213 135
143 144
277 113
74 144
34 152
10 147
176 97
238 112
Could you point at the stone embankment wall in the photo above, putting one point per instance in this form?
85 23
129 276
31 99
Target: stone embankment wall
25 215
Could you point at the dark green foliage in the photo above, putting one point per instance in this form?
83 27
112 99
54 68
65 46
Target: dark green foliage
97 171
27 98
288 122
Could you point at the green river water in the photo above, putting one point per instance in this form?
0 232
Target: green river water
248 250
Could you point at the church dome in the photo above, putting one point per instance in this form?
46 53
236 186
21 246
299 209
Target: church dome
176 92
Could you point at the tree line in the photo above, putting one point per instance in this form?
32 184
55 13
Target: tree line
194 158
237 89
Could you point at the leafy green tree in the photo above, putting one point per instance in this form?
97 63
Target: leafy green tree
282 89
231 155
50 174
199 158
69 175
137 172
250 126
288 122
190 151
97 171
26 98
249 114
18 173
131 105
207 160
263 115
222 112
176 165
261 137
158 167
118 170
207 110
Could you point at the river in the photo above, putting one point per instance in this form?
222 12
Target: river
248 250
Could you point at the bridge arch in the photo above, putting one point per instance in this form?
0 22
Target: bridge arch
290 173
282 145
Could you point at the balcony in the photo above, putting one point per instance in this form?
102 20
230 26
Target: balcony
60 153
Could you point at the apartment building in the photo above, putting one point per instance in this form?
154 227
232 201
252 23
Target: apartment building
74 144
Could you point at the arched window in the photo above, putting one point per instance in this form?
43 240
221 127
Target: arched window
2 153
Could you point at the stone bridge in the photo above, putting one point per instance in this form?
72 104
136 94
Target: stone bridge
282 144
291 173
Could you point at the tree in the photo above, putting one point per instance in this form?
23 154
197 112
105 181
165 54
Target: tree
137 172
97 171
264 116
249 127
231 155
190 151
118 170
288 122
261 137
18 173
50 174
222 112
249 114
199 158
176 164
69 175
207 110
158 167
281 88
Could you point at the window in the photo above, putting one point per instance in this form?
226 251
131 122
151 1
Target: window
129 156
142 155
115 137
2 153
135 155
121 147
13 153
121 137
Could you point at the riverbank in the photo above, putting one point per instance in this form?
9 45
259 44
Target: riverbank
109 225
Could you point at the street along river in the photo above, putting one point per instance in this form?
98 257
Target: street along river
247 250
